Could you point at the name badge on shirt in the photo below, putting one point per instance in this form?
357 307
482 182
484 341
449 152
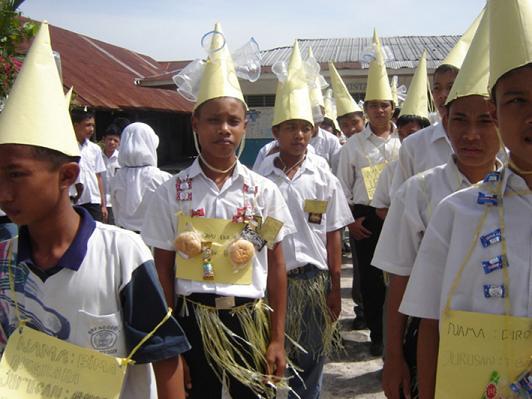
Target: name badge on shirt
269 230
36 363
315 210
370 175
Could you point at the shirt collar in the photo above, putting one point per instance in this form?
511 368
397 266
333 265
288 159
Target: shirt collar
368 133
268 166
195 170
439 133
454 177
74 255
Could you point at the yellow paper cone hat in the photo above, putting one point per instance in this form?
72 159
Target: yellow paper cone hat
292 99
345 104
474 74
510 36
68 96
35 112
219 78
457 54
378 87
316 95
393 86
417 102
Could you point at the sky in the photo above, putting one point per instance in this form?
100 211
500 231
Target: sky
172 29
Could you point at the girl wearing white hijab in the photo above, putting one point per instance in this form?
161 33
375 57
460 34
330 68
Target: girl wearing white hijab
138 176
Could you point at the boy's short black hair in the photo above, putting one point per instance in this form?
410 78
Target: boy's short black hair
396 112
406 119
55 158
121 122
444 68
112 130
80 114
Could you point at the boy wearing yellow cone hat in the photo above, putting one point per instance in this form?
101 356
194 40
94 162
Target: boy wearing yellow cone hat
216 228
75 279
362 159
468 124
350 115
430 147
413 117
313 253
472 272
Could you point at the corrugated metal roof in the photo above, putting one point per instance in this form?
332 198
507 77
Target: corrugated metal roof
104 75
406 50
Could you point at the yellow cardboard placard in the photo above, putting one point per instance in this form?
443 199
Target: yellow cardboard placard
315 206
35 365
473 345
370 175
221 233
269 230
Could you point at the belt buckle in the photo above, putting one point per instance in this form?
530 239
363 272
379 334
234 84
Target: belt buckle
224 302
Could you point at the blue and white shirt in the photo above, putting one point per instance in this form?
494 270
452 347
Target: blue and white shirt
103 295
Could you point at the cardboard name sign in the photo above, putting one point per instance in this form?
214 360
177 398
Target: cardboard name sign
221 233
474 345
370 175
35 365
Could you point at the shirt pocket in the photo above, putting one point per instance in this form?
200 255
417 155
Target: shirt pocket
102 333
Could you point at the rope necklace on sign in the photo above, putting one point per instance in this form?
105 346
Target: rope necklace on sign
287 170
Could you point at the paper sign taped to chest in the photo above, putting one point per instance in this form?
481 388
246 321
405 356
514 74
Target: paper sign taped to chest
315 206
269 230
35 365
370 175
221 233
474 345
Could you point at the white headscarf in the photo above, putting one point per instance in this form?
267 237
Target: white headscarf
138 176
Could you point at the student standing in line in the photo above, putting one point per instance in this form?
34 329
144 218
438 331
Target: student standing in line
313 254
216 229
475 256
65 275
111 141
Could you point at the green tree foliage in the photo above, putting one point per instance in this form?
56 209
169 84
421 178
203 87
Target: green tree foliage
13 31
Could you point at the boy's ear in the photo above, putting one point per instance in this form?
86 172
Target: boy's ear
445 121
275 131
68 174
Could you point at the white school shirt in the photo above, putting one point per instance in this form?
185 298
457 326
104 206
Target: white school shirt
111 166
409 216
103 298
422 150
328 146
381 196
90 163
266 148
361 150
160 223
311 182
447 240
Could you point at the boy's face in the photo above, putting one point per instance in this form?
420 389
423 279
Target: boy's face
513 114
110 143
351 123
471 131
30 189
406 130
293 137
220 125
84 129
379 112
441 86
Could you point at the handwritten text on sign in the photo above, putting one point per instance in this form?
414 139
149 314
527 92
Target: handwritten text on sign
370 175
35 365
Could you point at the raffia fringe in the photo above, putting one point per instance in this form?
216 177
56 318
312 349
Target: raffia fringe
304 293
240 357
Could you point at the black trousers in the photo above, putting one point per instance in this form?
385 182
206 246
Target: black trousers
356 291
205 383
371 279
94 210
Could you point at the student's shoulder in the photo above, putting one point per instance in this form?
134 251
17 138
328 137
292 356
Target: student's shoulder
117 241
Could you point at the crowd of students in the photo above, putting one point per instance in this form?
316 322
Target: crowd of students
221 280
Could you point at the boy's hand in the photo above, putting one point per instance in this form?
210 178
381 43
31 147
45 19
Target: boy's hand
358 231
276 359
396 378
186 376
334 303
105 214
